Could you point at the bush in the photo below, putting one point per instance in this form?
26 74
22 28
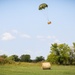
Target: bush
3 60
6 61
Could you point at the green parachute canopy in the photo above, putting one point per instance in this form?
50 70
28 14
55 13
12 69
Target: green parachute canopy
42 6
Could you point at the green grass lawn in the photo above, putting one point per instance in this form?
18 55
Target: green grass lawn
35 69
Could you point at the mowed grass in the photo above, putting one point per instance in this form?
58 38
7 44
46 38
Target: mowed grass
35 69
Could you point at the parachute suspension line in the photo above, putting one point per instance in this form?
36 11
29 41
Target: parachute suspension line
45 14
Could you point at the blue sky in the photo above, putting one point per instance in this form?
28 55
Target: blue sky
24 29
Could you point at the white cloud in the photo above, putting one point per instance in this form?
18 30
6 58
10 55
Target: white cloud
20 34
25 36
7 36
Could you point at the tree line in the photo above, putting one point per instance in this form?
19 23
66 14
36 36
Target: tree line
62 54
15 58
59 54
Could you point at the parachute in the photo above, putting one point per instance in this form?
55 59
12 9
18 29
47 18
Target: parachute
44 6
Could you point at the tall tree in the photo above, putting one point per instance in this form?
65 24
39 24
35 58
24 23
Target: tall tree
64 50
59 53
72 54
74 46
54 53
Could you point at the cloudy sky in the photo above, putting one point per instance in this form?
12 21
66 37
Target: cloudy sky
24 29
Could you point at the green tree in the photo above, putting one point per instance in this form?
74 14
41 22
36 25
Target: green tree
4 56
52 58
39 58
25 58
59 53
14 58
72 54
54 54
74 46
64 50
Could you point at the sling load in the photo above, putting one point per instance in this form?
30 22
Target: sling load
43 6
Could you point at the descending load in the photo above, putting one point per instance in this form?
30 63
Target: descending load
42 7
49 22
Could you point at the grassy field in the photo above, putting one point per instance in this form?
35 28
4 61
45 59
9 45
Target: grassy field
35 69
